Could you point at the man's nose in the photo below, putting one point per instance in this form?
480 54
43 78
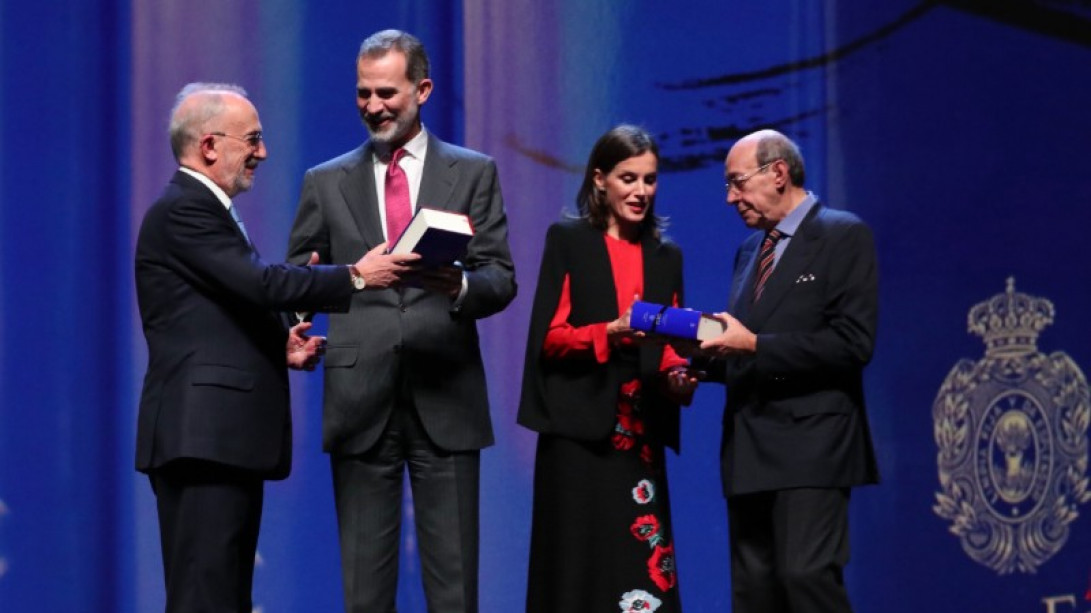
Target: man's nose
373 106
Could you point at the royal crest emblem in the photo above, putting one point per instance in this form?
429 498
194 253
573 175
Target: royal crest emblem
1012 435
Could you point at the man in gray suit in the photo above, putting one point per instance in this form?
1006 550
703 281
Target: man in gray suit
405 384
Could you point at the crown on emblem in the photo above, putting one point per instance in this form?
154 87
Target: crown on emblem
1010 322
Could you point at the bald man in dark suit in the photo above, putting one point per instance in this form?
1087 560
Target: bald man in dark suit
804 309
214 421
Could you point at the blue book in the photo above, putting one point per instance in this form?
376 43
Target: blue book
440 237
664 320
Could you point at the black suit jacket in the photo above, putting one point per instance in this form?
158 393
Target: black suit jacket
577 398
409 340
795 414
216 387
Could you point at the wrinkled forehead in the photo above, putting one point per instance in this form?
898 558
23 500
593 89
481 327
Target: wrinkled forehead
741 157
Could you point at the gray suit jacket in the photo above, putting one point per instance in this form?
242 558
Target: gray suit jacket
406 340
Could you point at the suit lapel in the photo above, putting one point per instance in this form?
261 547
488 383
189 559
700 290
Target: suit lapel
793 262
358 190
439 176
742 288
201 193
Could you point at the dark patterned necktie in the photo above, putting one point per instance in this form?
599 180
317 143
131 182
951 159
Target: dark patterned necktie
766 258
399 210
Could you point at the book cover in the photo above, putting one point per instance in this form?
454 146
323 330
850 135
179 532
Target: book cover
673 321
440 237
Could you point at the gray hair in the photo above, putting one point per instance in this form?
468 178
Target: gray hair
380 43
187 122
772 146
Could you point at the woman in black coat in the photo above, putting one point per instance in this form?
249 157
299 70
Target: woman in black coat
603 398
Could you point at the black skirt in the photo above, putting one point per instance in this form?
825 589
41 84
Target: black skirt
601 539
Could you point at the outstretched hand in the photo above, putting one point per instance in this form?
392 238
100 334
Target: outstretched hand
304 351
381 269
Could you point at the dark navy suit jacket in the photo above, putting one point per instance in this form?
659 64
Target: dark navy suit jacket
216 387
795 413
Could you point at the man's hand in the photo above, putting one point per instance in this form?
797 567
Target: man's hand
381 270
304 352
442 280
735 340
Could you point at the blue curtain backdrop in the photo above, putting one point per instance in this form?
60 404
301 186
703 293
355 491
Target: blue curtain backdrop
957 129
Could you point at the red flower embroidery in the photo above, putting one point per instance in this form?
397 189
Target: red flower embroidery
624 436
661 567
646 454
645 527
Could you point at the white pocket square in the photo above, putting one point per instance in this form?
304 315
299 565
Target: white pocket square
805 278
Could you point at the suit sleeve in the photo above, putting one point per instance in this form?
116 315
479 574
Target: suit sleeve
310 231
490 272
213 256
843 343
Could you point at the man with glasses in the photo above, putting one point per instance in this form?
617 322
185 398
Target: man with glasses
405 382
214 421
800 330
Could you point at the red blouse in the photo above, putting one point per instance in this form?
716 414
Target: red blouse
564 340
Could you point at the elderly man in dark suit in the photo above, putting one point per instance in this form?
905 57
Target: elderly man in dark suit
214 421
804 300
405 384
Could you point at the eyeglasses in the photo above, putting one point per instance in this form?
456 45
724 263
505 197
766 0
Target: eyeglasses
253 139
737 182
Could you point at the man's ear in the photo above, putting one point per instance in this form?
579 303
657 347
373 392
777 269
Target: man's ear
424 89
207 146
780 174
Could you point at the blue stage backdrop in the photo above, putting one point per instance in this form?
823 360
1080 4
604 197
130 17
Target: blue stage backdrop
957 129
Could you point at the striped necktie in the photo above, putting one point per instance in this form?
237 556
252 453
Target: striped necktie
766 258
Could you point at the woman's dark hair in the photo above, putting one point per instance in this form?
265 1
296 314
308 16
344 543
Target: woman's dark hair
617 145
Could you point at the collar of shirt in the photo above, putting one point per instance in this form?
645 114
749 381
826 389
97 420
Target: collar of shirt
790 224
413 165
220 194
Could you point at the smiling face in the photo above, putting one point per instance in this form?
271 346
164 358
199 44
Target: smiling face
235 158
389 102
629 193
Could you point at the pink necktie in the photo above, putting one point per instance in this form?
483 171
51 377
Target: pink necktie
398 208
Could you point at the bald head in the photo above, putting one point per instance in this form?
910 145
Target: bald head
215 130
770 145
764 174
194 108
